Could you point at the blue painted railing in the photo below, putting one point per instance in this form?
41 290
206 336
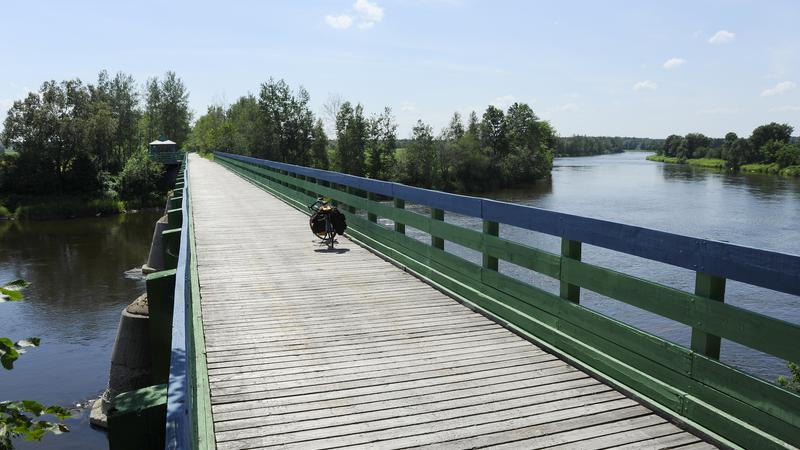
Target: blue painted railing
179 401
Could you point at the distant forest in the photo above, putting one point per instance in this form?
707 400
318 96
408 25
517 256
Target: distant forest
602 145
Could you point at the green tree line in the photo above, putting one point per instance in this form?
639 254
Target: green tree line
90 139
499 149
602 145
769 145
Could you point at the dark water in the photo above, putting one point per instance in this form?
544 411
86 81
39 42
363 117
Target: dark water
79 287
754 210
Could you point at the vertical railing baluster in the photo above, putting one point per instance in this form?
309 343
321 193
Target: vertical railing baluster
437 214
372 217
572 250
492 229
399 203
711 287
351 191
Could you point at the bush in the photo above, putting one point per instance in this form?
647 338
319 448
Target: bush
139 180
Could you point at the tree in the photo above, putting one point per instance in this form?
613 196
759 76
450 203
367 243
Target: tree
175 114
770 132
122 98
212 131
138 181
319 146
244 117
351 136
788 155
287 123
381 145
492 133
694 142
420 156
49 130
741 152
671 145
166 110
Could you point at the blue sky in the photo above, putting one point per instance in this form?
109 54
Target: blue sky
641 68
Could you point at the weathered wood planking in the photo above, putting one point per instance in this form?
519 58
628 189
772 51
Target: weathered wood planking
314 349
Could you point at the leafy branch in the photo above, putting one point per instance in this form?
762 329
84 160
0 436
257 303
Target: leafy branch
793 384
18 418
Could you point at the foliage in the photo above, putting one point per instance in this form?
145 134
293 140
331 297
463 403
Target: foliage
500 149
381 145
794 382
769 149
138 181
351 139
601 145
74 139
166 111
17 418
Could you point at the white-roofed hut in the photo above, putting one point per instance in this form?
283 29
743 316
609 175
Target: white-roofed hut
165 152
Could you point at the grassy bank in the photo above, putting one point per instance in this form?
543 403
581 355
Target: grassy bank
700 162
790 171
42 208
774 168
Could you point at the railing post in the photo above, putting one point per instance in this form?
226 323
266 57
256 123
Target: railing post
492 229
572 250
372 217
399 203
711 287
437 214
160 292
349 207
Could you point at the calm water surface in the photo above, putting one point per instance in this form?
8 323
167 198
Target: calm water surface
79 287
78 267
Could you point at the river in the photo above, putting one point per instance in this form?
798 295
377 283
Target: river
78 267
79 288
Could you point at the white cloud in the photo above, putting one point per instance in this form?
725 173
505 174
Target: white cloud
719 111
646 85
783 109
503 102
340 22
780 88
408 106
369 13
674 62
722 37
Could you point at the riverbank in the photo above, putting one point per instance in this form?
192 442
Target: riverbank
67 207
712 163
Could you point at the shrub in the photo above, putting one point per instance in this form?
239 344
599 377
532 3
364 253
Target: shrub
139 179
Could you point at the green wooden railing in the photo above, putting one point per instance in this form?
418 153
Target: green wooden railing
690 384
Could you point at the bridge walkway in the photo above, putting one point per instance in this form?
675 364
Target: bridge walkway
314 349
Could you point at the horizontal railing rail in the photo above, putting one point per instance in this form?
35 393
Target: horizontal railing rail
689 381
188 419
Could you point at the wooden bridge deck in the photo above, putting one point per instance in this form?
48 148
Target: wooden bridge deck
314 349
